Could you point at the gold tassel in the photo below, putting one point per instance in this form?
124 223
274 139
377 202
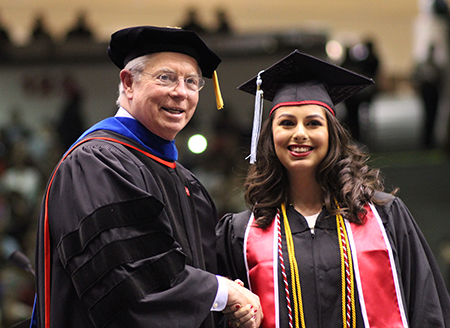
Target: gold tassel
219 99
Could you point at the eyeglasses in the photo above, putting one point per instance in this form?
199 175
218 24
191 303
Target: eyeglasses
171 80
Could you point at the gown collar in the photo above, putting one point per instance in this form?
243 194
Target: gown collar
298 222
126 125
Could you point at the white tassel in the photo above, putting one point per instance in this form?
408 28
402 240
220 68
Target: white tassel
257 118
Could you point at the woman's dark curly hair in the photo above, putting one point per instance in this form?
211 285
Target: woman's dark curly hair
343 175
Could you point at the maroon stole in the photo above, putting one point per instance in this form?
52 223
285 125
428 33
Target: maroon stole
375 271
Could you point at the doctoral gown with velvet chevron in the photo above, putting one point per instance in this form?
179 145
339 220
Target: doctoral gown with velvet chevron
131 240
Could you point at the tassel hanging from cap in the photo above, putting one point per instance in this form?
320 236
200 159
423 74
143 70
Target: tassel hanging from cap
219 100
257 118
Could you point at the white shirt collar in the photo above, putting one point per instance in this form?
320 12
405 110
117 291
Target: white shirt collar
122 112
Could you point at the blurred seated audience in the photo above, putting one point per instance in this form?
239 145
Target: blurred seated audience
81 29
223 22
40 31
192 22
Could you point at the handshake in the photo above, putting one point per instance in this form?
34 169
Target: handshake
243 308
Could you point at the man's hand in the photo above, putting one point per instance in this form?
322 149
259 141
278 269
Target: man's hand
243 307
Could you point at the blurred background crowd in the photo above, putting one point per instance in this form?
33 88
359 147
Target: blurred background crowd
55 83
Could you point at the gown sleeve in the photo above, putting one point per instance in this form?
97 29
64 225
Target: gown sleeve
426 297
230 233
115 241
207 214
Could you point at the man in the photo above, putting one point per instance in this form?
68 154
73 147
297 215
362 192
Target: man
126 234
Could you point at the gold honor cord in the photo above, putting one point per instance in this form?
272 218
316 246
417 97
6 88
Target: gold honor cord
346 274
295 277
348 289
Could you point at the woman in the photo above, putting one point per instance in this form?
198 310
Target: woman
323 245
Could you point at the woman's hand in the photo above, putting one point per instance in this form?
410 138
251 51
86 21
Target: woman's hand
242 316
243 307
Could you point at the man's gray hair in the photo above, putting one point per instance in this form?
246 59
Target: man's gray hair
136 66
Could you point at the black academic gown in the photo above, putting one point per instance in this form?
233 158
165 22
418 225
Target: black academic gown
126 241
425 296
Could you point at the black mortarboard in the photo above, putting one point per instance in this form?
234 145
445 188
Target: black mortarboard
301 79
133 42
283 81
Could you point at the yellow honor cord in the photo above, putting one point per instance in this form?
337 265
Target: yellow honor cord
295 277
339 224
343 293
219 100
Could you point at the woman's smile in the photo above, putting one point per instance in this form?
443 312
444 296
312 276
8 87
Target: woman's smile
300 135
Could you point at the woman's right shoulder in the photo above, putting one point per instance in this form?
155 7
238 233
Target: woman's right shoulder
238 215
238 221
